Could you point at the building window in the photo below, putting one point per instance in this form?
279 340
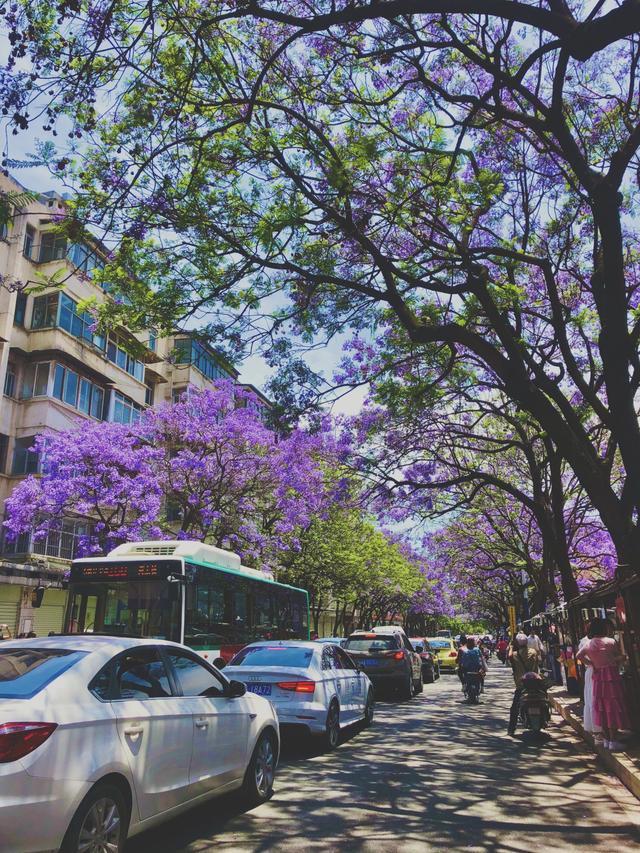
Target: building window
45 311
125 411
153 340
177 395
25 460
76 391
148 395
85 259
58 309
117 353
35 382
53 247
21 309
29 242
62 539
4 449
97 403
189 351
10 382
4 230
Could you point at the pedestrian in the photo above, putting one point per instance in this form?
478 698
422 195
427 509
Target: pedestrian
553 654
502 648
610 709
314 635
587 718
534 642
461 647
522 659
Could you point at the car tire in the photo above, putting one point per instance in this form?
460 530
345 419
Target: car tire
257 787
332 727
369 709
104 810
418 686
406 686
429 675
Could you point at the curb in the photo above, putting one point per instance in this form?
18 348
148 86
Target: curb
621 764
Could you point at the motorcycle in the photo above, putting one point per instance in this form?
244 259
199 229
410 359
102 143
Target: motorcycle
471 687
535 708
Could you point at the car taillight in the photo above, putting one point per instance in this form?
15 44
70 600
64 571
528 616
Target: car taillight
398 655
297 686
453 654
19 739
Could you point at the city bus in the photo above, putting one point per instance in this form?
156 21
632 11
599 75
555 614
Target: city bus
184 591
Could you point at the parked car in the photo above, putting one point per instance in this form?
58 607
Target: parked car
446 652
337 641
388 659
104 737
314 686
430 665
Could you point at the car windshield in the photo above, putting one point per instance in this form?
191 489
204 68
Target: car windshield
416 641
371 644
24 671
440 644
273 656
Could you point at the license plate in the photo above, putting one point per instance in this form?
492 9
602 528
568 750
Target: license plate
370 662
260 689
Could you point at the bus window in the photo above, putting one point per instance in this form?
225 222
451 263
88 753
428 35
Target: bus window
264 627
240 621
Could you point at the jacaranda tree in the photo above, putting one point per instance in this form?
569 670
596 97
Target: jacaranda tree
470 167
204 468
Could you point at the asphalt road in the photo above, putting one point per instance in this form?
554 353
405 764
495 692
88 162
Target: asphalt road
431 775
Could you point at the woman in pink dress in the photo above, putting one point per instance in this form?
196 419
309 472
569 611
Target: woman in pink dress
609 702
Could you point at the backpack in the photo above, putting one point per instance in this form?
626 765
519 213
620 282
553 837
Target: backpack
470 660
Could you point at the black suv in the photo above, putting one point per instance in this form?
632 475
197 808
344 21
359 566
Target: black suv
388 659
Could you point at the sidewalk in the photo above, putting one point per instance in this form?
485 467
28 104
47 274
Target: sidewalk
625 765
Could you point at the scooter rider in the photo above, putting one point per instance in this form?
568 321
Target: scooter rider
522 659
471 660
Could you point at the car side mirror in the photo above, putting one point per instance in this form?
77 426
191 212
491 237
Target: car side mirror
235 690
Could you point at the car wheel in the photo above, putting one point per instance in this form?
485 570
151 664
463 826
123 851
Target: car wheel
368 710
418 686
406 686
100 823
332 727
258 779
429 675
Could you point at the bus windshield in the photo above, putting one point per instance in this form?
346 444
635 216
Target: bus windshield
125 608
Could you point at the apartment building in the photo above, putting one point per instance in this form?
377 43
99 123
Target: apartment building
54 369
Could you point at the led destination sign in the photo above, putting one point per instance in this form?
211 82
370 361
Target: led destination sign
124 571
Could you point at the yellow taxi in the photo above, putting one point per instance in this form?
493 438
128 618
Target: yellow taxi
446 651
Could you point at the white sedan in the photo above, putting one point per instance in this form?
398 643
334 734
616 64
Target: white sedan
103 737
312 685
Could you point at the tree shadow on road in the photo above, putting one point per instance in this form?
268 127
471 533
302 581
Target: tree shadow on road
429 776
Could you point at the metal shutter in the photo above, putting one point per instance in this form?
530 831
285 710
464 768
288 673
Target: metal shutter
10 606
50 616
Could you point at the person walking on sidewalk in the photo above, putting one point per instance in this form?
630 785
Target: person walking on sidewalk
523 659
587 719
534 642
609 702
